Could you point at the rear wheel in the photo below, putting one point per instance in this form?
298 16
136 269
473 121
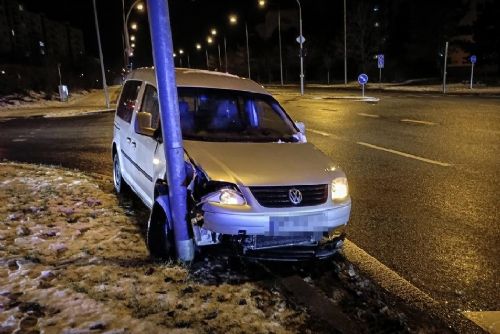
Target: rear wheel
159 238
118 181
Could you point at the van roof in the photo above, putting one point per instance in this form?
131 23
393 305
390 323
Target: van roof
187 77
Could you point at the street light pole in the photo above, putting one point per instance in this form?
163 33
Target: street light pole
248 51
206 55
220 59
345 43
279 40
104 86
301 40
225 52
128 49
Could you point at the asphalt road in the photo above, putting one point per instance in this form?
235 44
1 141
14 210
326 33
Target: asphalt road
424 174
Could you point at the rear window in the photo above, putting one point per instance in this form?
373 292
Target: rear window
128 100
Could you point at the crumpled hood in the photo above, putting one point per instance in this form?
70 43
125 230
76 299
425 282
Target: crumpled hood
260 164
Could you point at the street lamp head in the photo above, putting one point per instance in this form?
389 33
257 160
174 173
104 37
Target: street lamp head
210 40
132 45
133 26
213 31
140 7
233 19
132 38
262 3
175 55
198 46
181 51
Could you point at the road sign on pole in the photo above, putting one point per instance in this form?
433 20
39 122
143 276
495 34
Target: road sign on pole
473 60
300 39
380 61
363 80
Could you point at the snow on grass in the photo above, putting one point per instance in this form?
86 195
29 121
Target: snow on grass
72 261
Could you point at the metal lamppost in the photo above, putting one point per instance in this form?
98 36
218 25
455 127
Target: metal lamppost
104 85
262 4
301 40
345 43
128 49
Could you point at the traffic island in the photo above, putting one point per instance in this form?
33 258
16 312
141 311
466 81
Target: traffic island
73 260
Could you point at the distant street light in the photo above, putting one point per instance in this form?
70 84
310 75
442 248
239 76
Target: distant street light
133 26
213 31
128 49
262 3
233 19
181 51
198 46
132 38
210 40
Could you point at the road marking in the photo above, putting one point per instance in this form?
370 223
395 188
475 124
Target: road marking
18 139
487 320
319 132
417 121
368 115
406 155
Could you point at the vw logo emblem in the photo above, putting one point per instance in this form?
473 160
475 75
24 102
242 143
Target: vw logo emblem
295 196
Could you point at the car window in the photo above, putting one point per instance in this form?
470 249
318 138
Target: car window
228 115
150 105
128 100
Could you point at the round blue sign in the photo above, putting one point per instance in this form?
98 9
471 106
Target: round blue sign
473 59
362 79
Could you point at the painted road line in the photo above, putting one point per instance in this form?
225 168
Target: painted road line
319 132
487 320
368 115
406 155
417 121
17 140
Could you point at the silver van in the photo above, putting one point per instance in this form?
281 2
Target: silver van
253 180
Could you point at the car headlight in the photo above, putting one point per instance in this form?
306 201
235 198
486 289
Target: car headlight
226 196
340 189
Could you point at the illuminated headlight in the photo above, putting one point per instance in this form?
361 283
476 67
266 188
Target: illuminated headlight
340 189
227 196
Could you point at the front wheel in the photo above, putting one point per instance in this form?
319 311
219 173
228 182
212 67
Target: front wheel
118 181
159 238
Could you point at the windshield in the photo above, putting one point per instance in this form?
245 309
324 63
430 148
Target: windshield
226 115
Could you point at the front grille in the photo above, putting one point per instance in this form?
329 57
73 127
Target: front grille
278 196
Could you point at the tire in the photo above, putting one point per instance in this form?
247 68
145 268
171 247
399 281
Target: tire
118 180
159 239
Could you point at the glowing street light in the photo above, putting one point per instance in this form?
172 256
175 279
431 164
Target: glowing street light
132 38
262 3
210 40
132 45
213 31
133 26
198 46
181 51
233 19
140 7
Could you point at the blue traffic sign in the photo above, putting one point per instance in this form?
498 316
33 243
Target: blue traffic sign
473 59
380 59
362 79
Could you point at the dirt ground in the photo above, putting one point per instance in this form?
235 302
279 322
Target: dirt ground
73 261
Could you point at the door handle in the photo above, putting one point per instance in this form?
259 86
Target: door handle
133 144
129 140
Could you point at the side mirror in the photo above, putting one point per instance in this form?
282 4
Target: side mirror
302 135
301 126
143 124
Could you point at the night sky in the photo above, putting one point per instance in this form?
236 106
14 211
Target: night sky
411 34
191 22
